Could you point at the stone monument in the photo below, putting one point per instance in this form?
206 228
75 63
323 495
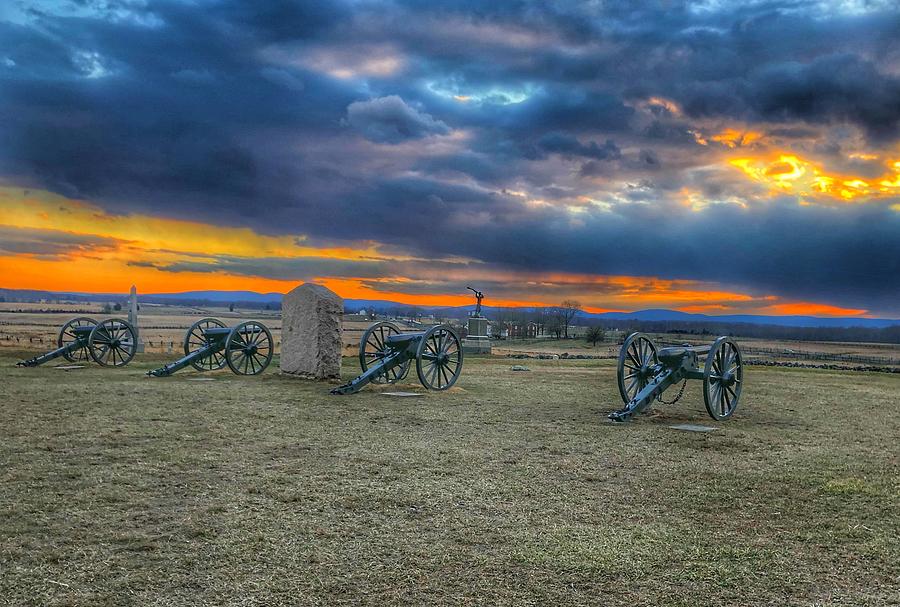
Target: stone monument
133 318
477 340
311 332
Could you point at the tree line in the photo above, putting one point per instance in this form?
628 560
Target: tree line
557 321
890 335
554 321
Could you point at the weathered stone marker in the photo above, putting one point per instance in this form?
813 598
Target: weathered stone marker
311 332
133 318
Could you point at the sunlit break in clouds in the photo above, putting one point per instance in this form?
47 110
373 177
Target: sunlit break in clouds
706 157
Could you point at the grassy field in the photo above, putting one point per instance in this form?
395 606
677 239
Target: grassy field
162 327
613 342
510 489
36 326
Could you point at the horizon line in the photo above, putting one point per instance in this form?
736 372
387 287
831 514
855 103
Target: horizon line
525 306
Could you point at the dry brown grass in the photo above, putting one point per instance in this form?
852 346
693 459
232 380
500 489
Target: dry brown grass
118 489
36 326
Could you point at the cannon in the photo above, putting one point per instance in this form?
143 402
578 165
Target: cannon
110 343
209 345
386 355
645 372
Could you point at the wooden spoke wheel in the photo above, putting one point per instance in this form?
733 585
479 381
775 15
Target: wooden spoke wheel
723 378
67 335
113 343
249 348
439 358
637 358
196 339
373 348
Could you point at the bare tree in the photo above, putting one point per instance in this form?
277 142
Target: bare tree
554 326
594 335
501 318
568 310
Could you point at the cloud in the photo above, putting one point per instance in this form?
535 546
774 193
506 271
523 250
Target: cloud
390 120
561 137
300 268
51 244
569 146
835 88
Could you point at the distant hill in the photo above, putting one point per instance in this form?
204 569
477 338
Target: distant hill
781 321
219 296
657 315
261 299
246 299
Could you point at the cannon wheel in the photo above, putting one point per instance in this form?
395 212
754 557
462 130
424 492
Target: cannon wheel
67 335
373 348
249 348
439 358
723 378
636 359
112 343
194 340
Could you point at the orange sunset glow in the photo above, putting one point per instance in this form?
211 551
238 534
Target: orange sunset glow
796 175
121 250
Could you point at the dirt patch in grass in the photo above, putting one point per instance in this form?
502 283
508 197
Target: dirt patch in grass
118 489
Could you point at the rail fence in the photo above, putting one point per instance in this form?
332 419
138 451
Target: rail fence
168 345
160 344
823 356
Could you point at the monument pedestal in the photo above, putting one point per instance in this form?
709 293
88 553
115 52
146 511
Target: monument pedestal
477 340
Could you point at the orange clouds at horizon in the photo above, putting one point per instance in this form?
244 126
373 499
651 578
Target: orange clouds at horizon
797 308
96 252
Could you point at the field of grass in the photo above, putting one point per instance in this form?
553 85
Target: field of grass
36 325
613 342
510 489
162 328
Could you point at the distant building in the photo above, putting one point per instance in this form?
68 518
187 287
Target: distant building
522 330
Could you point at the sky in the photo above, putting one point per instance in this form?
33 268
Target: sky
716 157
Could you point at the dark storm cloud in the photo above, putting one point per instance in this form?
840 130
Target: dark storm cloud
283 20
833 88
796 252
419 125
483 167
303 268
155 117
569 146
390 120
50 244
307 268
